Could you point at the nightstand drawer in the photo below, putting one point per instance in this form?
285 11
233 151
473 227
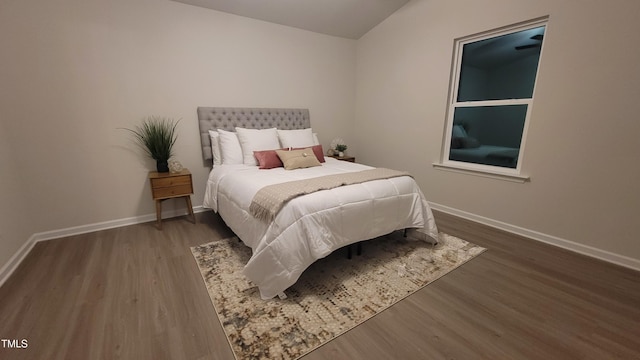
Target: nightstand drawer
171 181
177 190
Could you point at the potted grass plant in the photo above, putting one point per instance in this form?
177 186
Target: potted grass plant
157 135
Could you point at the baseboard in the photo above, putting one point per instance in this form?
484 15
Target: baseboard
22 253
83 229
16 259
545 238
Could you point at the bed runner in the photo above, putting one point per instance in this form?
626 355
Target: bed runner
270 199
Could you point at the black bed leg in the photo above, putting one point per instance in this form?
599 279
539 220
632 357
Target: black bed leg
404 233
358 249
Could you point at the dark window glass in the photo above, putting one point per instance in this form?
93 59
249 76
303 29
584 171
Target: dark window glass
488 135
502 67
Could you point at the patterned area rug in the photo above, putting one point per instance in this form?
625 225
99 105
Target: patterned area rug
332 296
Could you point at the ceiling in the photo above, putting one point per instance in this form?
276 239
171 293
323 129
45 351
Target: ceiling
344 18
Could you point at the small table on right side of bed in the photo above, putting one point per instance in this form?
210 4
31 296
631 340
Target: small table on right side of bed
344 158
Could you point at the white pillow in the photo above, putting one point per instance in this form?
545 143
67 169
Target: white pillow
215 147
230 150
296 138
255 140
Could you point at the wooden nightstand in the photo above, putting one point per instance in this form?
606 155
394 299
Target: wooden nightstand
168 186
344 158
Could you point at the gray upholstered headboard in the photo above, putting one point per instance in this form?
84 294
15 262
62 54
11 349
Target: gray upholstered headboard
213 118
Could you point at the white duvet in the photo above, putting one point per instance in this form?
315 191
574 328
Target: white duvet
310 227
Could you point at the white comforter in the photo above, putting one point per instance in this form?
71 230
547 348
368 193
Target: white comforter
310 227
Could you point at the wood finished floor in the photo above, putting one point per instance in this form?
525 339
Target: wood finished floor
136 293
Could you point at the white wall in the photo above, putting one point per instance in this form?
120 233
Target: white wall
582 146
73 72
14 217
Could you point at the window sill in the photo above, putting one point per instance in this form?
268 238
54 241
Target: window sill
482 172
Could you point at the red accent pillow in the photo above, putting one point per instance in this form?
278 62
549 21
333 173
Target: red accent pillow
268 159
317 151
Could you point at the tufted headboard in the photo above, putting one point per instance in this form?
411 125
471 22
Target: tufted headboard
213 118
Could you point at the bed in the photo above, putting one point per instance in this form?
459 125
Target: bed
468 149
308 227
487 155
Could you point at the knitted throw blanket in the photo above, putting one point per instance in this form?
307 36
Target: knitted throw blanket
271 198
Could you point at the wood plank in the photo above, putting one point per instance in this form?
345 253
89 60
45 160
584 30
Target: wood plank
136 293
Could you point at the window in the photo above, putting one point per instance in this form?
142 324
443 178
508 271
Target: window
492 86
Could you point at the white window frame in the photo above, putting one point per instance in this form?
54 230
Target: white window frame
452 103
